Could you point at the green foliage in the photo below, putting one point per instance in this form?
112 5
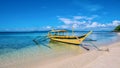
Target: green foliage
117 29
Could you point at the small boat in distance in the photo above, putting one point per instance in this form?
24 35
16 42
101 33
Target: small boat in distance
62 36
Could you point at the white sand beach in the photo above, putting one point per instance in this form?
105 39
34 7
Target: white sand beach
93 59
90 59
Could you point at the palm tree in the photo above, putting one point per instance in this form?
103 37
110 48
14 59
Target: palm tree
117 29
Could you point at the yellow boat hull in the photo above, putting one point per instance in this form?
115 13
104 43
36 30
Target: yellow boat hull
70 39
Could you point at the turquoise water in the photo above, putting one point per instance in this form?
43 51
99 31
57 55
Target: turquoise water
10 42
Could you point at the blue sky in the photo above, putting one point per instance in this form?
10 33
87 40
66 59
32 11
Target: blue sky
27 15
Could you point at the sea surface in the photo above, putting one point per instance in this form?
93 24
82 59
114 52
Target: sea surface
10 41
20 45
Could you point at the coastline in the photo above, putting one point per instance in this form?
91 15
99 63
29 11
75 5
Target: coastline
88 59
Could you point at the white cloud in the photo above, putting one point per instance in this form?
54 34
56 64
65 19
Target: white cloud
116 23
78 20
75 26
66 20
85 17
48 27
95 24
79 17
84 22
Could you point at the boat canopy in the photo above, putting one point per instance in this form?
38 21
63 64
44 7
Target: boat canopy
58 31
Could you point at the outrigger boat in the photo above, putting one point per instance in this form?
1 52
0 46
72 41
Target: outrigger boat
59 35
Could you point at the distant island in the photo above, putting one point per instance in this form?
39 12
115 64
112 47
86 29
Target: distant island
117 29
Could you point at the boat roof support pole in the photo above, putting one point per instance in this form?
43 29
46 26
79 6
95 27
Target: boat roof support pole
72 30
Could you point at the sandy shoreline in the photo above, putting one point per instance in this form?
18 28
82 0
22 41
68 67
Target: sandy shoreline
90 59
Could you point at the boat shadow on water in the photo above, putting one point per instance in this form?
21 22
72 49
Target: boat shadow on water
88 45
55 44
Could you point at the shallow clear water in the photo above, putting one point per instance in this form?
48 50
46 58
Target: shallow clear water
10 42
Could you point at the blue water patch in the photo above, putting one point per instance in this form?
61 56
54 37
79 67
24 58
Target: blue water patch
15 42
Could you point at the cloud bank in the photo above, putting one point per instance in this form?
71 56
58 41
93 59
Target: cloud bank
86 23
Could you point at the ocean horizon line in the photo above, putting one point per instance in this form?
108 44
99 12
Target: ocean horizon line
47 31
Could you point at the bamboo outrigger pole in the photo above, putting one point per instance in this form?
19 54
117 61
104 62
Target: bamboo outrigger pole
72 30
99 48
84 39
